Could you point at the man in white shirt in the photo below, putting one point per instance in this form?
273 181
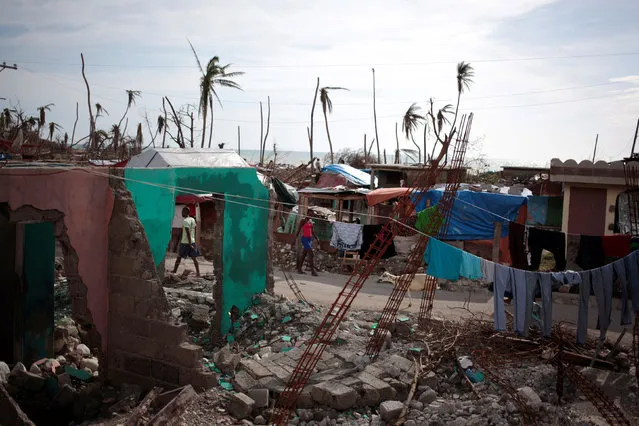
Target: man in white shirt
187 243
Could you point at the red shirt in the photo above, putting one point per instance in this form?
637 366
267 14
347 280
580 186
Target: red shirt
307 230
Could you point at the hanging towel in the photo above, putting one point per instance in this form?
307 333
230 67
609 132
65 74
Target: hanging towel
520 297
542 281
517 245
502 284
584 299
488 270
444 260
369 233
601 280
553 241
632 274
591 253
346 236
429 220
616 245
621 277
470 266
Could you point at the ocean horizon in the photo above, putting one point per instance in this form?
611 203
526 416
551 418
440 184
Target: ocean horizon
296 158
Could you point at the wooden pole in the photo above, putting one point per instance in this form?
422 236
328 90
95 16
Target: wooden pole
496 242
634 141
595 151
239 150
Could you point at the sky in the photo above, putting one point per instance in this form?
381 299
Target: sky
549 74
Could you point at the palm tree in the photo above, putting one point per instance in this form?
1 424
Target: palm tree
52 128
327 104
42 120
214 75
132 95
100 110
410 123
465 74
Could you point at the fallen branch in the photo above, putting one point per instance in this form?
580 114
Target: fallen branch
411 394
143 408
175 407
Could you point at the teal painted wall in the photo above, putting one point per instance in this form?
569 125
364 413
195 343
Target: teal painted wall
245 222
38 277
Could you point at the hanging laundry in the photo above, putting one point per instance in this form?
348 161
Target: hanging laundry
616 245
429 220
346 236
502 284
541 281
517 245
470 266
600 281
634 243
488 270
369 233
591 253
444 260
632 274
621 277
572 250
520 297
553 241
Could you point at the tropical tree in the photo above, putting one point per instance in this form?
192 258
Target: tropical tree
42 113
465 74
410 123
213 76
52 128
327 105
132 95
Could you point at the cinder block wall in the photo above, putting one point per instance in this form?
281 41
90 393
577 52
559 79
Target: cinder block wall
146 346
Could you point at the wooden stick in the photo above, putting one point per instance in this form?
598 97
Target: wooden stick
411 394
143 408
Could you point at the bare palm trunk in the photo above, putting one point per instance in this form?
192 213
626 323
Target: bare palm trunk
310 135
165 123
75 123
211 121
180 138
126 111
192 126
397 148
365 152
92 141
261 134
419 150
328 135
268 125
204 113
452 127
375 118
239 150
425 137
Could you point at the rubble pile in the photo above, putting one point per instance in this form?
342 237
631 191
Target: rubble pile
458 373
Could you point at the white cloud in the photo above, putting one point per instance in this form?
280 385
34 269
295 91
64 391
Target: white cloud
283 46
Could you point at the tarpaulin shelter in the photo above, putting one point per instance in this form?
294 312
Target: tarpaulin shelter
474 214
351 174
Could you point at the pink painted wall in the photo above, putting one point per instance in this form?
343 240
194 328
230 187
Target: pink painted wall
86 200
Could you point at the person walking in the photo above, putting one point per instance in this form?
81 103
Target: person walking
306 228
187 243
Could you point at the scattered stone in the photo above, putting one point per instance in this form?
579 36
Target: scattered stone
243 382
390 410
19 367
240 406
91 363
226 360
334 395
4 373
260 396
35 369
427 396
530 396
259 420
83 350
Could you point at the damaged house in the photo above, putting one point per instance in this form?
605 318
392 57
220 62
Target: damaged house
113 229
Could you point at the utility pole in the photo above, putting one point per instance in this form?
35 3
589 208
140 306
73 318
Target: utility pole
634 140
595 151
4 66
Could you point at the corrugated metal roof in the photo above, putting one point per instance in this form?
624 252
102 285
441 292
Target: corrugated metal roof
190 157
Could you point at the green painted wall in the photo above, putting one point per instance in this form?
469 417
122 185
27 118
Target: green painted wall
245 222
38 276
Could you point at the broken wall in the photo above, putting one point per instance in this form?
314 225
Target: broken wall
245 223
84 202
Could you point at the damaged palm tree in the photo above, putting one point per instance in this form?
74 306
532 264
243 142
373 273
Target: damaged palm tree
410 123
327 105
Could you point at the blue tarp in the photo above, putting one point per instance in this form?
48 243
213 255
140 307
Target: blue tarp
475 213
351 174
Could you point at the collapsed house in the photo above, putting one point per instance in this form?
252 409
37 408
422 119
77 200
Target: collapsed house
114 229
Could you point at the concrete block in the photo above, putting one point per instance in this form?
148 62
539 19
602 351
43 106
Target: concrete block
243 382
129 324
121 303
26 380
403 363
390 410
137 365
240 406
165 372
277 371
131 285
255 369
260 396
334 395
385 390
168 333
185 354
